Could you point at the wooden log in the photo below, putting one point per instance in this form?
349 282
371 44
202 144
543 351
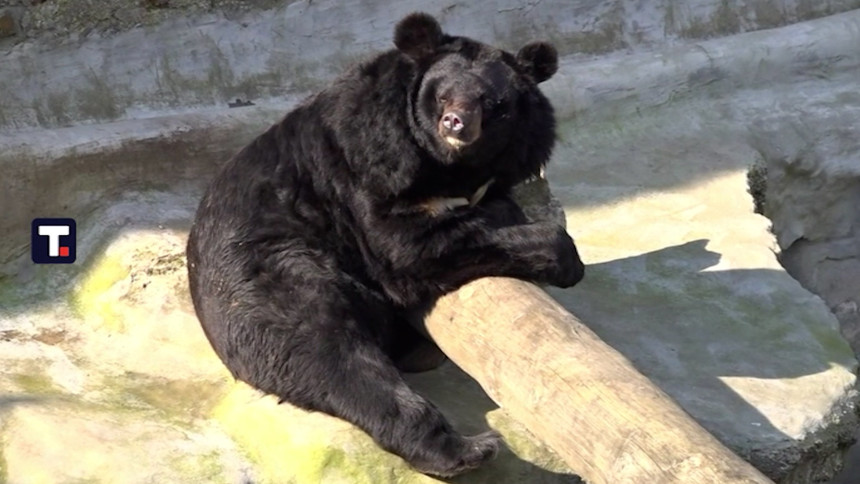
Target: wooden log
574 392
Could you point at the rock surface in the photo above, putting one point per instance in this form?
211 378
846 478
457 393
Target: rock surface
181 53
812 191
106 376
811 161
114 381
684 282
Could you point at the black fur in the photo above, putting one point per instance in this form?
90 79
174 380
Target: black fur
314 244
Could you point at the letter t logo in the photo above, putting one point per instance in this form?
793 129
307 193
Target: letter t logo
53 232
52 241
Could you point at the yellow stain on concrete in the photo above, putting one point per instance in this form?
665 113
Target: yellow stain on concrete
95 297
291 445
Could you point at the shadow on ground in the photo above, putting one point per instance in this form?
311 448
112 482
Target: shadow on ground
713 341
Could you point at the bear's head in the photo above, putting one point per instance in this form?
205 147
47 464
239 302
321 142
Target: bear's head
474 103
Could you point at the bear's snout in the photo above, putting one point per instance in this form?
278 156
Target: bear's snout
452 122
460 126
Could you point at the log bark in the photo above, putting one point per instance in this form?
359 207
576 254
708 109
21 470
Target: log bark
574 392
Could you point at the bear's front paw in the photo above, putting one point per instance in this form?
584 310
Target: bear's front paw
569 268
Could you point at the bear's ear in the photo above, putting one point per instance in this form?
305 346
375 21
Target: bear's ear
418 35
540 60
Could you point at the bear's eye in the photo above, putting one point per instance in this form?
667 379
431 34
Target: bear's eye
498 106
442 100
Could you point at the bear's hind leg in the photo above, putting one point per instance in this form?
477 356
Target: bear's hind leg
364 387
316 338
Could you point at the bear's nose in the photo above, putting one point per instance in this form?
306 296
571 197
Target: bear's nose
459 125
453 122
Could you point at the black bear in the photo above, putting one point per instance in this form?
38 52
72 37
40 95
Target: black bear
316 243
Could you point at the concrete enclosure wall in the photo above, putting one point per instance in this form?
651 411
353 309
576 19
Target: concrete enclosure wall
73 61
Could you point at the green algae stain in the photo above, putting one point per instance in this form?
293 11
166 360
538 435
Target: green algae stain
30 378
713 302
280 456
527 448
45 282
199 468
90 300
35 383
289 445
259 436
836 348
181 402
10 295
184 400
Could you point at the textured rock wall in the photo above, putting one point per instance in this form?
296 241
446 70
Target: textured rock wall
812 195
808 184
114 59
